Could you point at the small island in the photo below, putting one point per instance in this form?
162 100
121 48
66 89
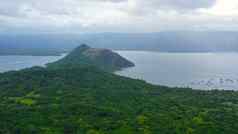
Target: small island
84 55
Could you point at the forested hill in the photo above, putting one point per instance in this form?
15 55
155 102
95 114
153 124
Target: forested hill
86 100
84 55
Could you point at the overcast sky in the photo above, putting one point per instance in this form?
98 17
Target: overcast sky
117 15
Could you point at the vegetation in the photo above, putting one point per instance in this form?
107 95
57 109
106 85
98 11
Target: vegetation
85 56
87 100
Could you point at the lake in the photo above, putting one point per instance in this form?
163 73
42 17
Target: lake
9 63
196 70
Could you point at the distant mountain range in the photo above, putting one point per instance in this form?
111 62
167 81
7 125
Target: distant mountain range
53 44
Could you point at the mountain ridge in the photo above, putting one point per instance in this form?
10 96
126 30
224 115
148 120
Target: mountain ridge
173 41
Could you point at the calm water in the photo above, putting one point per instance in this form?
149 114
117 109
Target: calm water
196 70
9 63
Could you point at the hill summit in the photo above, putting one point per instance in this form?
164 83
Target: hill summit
84 55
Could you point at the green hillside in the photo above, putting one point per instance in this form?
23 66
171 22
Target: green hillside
86 56
83 99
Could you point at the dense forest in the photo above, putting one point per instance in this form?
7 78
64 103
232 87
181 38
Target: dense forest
84 99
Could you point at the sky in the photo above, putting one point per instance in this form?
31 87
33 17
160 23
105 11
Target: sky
117 15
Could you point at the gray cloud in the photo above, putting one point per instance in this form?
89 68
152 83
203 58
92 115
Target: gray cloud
20 7
111 15
183 4
141 7
172 4
9 8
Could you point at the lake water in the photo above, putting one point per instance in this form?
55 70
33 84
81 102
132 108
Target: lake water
9 63
196 70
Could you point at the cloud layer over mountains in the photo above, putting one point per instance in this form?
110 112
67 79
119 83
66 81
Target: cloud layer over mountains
117 15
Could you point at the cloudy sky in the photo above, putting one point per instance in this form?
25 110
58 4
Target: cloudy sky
117 15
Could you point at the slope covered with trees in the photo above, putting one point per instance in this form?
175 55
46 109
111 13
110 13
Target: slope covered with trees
84 55
87 100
